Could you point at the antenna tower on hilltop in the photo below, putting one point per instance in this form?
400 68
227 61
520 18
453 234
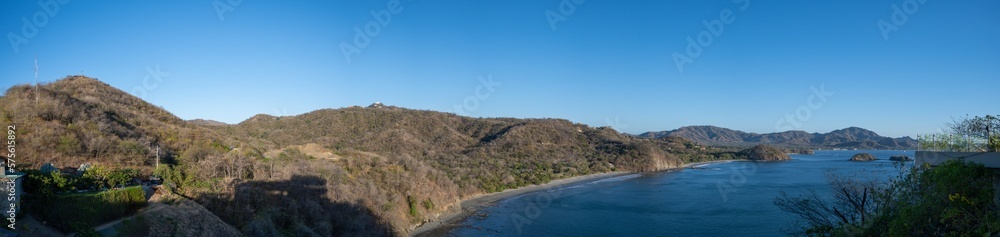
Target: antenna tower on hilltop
36 79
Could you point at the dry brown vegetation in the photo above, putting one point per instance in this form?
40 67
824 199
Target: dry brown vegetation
376 171
765 153
171 215
78 119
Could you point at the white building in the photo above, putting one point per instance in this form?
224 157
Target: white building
10 185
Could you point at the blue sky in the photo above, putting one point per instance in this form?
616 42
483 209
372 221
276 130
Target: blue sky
605 63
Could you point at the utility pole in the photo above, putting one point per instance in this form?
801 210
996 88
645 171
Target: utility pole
36 80
157 156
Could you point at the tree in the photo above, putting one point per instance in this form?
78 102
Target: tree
99 174
38 183
855 202
69 144
59 182
121 176
954 199
985 128
108 177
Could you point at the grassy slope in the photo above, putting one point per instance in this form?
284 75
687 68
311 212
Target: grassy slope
390 168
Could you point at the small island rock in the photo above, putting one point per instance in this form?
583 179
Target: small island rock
863 157
900 158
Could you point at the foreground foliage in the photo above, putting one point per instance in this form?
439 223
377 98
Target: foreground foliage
82 211
953 199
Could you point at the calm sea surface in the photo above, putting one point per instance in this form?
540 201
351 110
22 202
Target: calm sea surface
722 199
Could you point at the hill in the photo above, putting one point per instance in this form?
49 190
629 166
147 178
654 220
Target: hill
207 122
82 120
847 138
765 153
374 171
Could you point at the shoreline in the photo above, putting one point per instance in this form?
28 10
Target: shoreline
452 219
690 165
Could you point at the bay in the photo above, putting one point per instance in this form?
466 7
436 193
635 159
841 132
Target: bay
719 199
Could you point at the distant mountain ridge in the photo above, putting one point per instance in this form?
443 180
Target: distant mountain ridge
847 138
207 122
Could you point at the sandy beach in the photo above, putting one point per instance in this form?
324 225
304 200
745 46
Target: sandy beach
453 219
689 165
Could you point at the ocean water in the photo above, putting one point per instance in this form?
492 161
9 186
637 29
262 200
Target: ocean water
721 199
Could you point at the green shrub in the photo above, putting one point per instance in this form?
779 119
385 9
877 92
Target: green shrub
428 204
71 212
69 145
953 199
413 205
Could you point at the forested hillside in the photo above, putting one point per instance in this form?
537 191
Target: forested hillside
847 138
372 171
81 120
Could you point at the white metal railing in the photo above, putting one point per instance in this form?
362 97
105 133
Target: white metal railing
952 143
